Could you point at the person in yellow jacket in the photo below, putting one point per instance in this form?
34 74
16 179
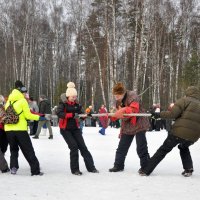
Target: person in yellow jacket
17 134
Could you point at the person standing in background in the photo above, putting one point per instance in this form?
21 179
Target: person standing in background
44 109
34 109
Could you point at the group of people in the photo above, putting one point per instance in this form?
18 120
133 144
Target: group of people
184 132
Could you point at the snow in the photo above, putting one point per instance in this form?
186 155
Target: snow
59 184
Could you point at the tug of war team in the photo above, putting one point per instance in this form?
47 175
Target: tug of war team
181 120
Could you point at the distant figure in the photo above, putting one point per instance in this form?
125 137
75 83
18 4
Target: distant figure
34 109
44 109
103 120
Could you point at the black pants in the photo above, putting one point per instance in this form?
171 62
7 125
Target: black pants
33 127
170 142
21 139
75 142
123 147
3 141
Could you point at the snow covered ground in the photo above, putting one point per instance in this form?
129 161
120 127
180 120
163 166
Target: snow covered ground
59 184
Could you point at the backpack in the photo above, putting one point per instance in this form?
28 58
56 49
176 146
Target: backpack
10 116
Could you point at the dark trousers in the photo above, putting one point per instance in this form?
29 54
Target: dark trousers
123 147
75 142
33 127
170 142
21 139
3 141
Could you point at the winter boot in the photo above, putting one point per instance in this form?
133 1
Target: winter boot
35 137
5 170
51 137
78 173
116 169
13 170
141 173
37 174
94 171
187 172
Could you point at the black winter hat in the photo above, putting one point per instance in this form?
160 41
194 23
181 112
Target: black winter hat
19 85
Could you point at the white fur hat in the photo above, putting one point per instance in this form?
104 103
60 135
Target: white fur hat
71 91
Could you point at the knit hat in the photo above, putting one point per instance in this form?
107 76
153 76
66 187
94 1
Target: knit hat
71 90
19 85
119 89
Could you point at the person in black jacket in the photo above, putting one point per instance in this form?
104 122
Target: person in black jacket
67 112
44 109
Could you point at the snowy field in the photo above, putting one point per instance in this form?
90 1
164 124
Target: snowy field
58 183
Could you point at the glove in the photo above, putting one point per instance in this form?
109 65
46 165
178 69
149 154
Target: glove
89 115
42 118
76 116
120 113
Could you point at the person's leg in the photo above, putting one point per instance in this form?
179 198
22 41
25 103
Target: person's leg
72 144
40 125
48 124
28 151
142 148
35 126
3 141
170 142
14 149
3 162
122 150
185 155
89 163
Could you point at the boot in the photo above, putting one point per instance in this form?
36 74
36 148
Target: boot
51 137
187 172
94 171
37 174
13 170
78 173
35 137
116 169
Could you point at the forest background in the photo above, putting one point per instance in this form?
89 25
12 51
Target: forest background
152 46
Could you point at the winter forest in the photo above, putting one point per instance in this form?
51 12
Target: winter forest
152 46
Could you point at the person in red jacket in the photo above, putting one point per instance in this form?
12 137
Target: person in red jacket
128 102
67 112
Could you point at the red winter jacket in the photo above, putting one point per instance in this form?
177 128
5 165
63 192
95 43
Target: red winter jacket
64 114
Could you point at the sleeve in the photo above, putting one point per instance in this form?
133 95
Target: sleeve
175 112
60 111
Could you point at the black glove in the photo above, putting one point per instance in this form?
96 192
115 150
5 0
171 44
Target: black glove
157 115
76 116
89 115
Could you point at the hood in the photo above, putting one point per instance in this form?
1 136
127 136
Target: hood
63 97
15 95
192 91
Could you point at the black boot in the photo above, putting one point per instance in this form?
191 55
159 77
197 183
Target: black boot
187 172
116 169
78 173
